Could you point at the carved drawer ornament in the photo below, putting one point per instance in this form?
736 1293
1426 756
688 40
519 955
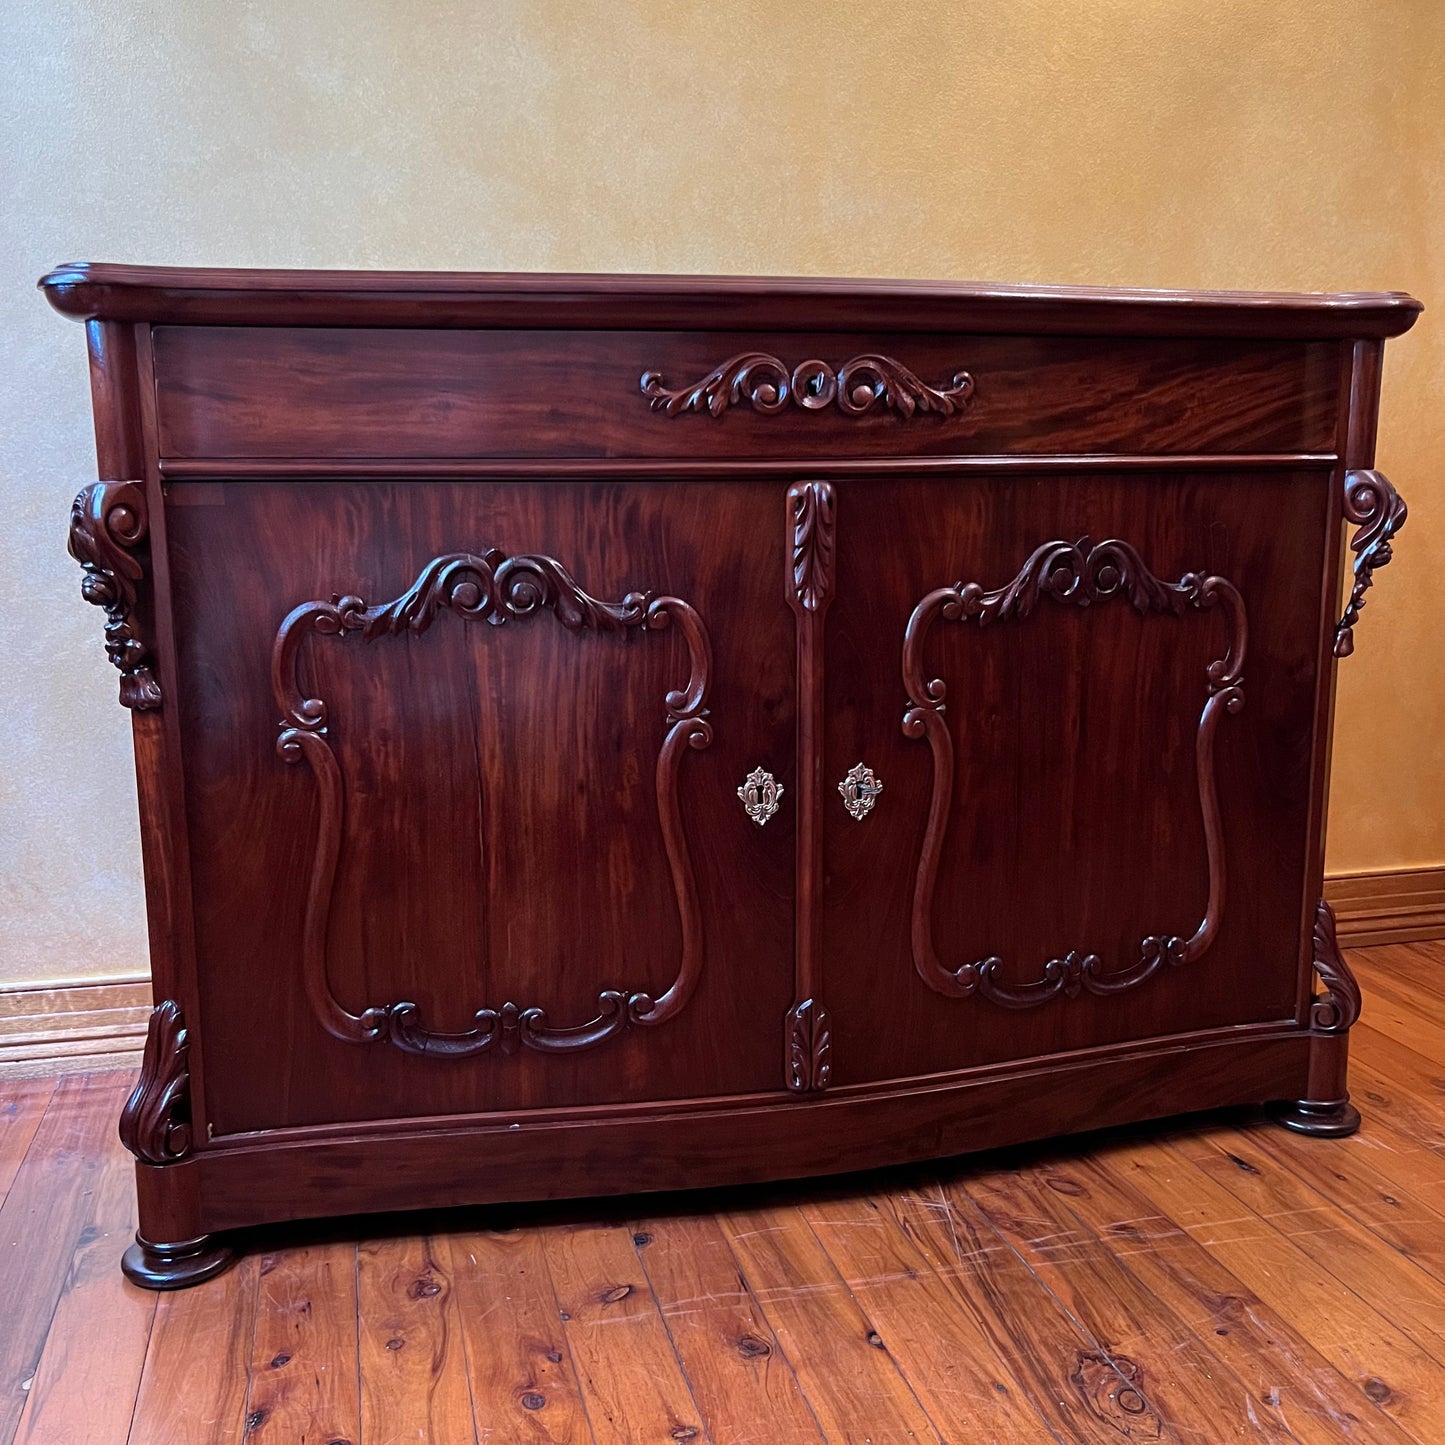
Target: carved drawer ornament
767 385
760 795
860 790
107 524
497 589
1077 574
1379 512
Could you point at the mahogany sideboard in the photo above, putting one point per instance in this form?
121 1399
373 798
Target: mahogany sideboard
600 734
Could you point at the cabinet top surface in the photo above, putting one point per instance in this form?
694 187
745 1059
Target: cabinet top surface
201 296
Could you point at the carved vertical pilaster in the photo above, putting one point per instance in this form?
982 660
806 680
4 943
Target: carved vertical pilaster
107 524
155 1124
810 523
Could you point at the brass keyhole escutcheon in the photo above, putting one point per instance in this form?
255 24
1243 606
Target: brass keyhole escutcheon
860 789
760 794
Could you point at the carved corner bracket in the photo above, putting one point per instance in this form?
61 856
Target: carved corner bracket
810 1047
1337 1008
155 1124
497 589
1078 574
1379 512
767 385
108 523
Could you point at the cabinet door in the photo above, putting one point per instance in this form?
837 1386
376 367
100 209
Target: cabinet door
463 764
1090 701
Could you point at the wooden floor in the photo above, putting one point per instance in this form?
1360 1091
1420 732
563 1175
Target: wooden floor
1218 1282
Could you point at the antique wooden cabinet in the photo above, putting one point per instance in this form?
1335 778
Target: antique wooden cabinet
604 734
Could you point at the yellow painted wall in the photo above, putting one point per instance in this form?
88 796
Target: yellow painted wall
1222 143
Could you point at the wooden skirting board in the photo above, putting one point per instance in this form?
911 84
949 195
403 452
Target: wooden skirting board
1403 907
68 1028
64 1028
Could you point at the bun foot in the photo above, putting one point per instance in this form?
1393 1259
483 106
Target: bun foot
174 1266
1328 1121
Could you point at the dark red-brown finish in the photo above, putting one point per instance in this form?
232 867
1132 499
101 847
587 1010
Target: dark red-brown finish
461 617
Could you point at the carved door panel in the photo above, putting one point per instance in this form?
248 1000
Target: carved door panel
477 823
1068 722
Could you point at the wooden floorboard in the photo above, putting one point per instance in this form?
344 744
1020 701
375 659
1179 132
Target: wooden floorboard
45 1218
1385 1366
413 1368
742 1382
1219 1279
88 1377
22 1106
523 1379
632 1382
305 1386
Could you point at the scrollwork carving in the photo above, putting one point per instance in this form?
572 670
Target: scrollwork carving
767 385
810 1047
1079 574
107 524
1379 512
155 1124
497 589
1335 1010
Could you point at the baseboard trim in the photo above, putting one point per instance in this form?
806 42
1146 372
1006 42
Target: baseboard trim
66 1028
1400 907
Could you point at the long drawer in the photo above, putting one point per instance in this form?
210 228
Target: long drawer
309 392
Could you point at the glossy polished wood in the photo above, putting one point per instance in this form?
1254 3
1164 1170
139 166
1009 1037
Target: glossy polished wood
458 615
325 392
200 295
1219 1281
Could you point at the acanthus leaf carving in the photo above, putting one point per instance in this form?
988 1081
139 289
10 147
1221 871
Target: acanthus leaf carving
1379 513
1079 574
767 384
810 1047
498 589
1337 1008
108 522
155 1124
813 543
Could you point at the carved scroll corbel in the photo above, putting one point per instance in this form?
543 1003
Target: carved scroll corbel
1379 512
1337 1008
107 523
155 1124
